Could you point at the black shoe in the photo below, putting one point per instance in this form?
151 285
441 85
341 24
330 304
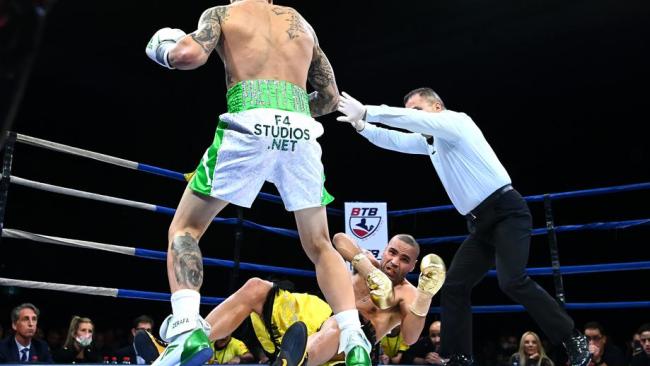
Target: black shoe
577 348
293 348
459 360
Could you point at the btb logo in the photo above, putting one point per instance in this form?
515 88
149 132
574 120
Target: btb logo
364 221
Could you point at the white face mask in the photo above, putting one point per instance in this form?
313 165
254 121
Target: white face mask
84 341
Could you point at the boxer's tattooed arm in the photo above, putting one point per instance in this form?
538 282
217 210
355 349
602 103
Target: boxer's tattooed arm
321 76
187 262
209 31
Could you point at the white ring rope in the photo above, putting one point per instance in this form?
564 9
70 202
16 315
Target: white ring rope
76 151
86 290
19 234
81 194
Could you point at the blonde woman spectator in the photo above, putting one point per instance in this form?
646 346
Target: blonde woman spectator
78 346
531 352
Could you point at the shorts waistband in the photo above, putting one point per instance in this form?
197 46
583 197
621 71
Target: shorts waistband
489 200
275 94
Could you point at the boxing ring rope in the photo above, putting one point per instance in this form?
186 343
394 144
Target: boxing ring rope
101 291
537 198
159 255
146 253
288 232
273 198
55 146
206 300
540 231
139 205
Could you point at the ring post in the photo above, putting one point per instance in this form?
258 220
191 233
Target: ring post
24 72
555 255
239 238
6 176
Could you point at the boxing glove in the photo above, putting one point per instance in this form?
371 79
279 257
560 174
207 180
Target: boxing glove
161 43
432 276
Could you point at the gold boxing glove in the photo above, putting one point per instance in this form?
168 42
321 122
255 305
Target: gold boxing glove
432 276
381 287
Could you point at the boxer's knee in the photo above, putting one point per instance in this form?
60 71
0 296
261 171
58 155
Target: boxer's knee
339 236
317 244
255 291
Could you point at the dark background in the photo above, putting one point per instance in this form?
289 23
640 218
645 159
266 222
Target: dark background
559 88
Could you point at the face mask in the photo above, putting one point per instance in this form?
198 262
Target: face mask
84 341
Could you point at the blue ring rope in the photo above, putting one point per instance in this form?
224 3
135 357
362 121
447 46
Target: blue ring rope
153 254
160 296
539 271
206 300
273 198
571 270
397 213
543 231
491 309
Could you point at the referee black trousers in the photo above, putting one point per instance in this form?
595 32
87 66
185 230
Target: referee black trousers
500 229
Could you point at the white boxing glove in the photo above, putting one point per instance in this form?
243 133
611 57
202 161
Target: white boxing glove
160 44
354 111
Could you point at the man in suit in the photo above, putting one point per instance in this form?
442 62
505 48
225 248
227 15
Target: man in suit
143 322
23 347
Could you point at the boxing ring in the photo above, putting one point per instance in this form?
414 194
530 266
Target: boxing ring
556 271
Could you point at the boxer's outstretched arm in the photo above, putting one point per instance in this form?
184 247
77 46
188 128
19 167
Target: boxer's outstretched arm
194 49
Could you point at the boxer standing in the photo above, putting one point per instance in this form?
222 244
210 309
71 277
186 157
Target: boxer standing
268 134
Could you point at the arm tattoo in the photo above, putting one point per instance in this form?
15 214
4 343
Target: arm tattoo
209 30
187 262
321 74
321 77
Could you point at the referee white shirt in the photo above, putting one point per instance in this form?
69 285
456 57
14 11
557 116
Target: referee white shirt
466 164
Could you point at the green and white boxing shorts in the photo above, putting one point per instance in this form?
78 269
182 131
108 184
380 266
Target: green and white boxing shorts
268 134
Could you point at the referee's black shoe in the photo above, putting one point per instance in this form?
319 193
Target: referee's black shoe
577 348
459 360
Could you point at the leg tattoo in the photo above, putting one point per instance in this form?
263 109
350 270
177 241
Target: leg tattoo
188 263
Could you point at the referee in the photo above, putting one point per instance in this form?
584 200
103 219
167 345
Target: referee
498 218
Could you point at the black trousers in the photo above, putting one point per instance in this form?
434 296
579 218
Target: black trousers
500 229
